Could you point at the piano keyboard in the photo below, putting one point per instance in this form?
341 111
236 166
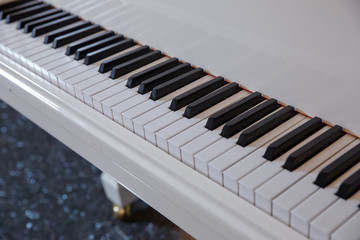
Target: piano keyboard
298 169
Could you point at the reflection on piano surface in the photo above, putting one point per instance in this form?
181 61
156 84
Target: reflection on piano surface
219 160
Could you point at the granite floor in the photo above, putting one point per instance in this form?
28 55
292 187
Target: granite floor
49 192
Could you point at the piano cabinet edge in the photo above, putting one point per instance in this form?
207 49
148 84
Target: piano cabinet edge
157 178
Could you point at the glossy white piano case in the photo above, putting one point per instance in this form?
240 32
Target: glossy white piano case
199 206
303 53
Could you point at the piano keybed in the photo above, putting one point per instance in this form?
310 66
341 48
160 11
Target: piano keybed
301 171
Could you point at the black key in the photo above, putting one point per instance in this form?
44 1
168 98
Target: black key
81 52
187 97
312 148
136 79
108 51
229 112
261 128
72 47
76 35
31 25
17 8
21 24
338 167
150 83
350 186
211 99
53 25
134 64
246 119
27 12
176 83
109 64
293 138
60 32
11 4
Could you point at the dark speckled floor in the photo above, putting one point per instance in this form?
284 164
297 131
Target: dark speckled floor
49 192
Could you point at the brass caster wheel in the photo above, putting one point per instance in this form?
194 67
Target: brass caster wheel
122 212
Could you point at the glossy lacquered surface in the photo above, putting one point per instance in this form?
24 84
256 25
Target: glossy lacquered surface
303 53
205 210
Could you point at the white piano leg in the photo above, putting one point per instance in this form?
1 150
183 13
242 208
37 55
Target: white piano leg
118 195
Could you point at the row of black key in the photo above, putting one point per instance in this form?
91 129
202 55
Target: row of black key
161 80
171 75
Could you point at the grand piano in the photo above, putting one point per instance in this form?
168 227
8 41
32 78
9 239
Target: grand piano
234 119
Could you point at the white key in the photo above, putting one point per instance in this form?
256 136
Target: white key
17 45
349 230
97 88
191 148
9 49
10 38
233 169
125 105
140 121
278 184
8 42
85 81
283 204
222 162
263 173
77 79
166 133
104 100
136 111
119 101
36 49
67 82
25 54
17 52
288 200
151 128
74 72
170 131
147 106
76 84
309 209
37 56
7 34
59 63
212 151
54 73
38 64
9 30
177 127
177 141
40 40
322 226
